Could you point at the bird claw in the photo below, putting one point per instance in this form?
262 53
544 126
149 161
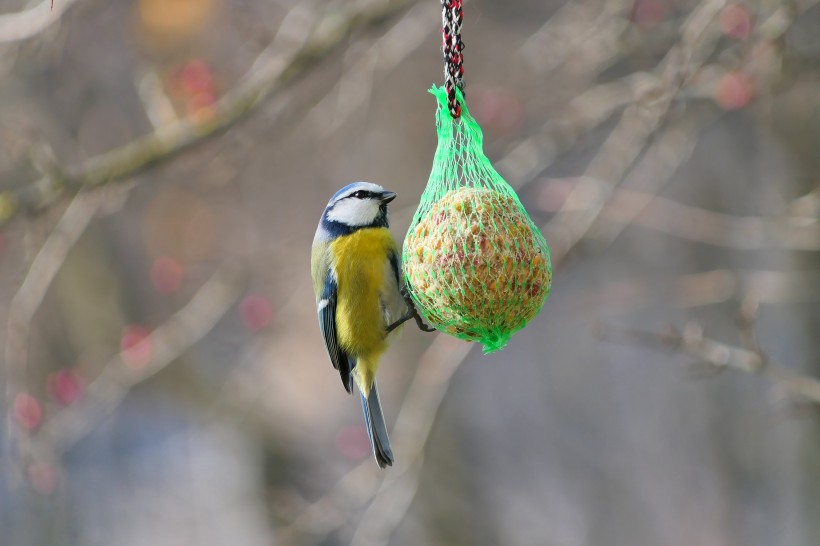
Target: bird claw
412 314
423 327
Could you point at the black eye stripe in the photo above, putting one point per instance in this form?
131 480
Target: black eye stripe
362 194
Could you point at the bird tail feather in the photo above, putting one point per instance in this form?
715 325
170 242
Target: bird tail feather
376 427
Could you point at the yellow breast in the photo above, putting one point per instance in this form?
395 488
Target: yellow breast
359 260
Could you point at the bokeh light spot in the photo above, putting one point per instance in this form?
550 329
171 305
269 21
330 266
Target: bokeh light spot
733 90
65 387
167 275
28 411
165 23
136 346
647 13
256 312
353 443
498 110
196 77
735 21
43 477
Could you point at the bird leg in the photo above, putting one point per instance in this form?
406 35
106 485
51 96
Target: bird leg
411 314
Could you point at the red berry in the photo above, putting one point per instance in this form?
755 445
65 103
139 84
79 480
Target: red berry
353 443
734 90
43 477
167 275
28 411
64 387
256 312
196 76
136 346
647 13
735 21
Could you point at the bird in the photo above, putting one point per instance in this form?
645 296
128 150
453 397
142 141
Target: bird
359 297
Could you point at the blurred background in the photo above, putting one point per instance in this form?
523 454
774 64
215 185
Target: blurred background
163 165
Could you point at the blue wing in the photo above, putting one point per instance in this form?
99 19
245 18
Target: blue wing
394 265
327 322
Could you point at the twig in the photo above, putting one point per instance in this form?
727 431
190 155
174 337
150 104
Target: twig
30 22
182 330
39 277
638 123
530 156
638 208
354 88
700 225
656 168
747 321
700 289
691 342
258 84
579 29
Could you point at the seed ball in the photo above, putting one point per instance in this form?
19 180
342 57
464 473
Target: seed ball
476 265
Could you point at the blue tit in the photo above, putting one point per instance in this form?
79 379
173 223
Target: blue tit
355 270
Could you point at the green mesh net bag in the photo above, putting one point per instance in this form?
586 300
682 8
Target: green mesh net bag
474 263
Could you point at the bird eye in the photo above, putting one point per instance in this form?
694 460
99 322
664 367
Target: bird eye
359 194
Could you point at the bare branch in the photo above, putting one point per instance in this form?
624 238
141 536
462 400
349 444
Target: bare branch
44 268
701 289
355 86
182 330
691 342
655 169
638 123
579 29
259 83
700 225
527 158
631 207
32 21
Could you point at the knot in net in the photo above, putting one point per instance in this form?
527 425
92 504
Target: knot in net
474 263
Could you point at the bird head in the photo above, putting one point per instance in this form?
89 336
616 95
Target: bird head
358 205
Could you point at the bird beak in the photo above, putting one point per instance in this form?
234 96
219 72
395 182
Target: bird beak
387 196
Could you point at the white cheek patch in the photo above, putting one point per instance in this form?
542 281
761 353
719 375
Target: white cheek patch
354 212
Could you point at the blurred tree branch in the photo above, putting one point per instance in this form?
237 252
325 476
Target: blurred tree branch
271 72
32 21
720 229
641 208
691 342
165 344
527 158
700 289
590 29
44 268
639 122
356 83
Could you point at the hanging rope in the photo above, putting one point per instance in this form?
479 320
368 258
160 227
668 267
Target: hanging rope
452 17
